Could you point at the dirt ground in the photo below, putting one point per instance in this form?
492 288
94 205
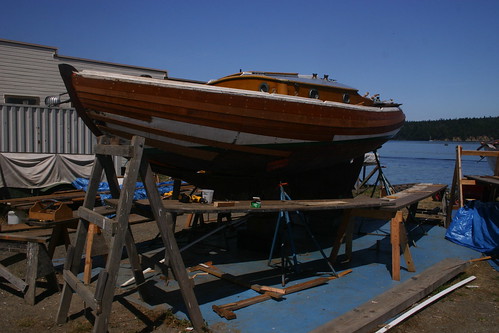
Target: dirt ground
472 308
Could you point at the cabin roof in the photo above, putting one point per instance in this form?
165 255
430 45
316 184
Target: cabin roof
312 79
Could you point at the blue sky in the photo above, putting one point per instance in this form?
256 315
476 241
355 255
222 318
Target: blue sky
439 58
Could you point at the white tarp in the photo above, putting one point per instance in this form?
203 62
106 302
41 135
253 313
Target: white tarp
25 170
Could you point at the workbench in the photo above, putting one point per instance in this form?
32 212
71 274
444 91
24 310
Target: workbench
409 199
491 182
173 207
270 206
38 244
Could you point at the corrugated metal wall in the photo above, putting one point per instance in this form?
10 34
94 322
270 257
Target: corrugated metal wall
31 129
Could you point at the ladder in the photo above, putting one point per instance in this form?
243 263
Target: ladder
120 235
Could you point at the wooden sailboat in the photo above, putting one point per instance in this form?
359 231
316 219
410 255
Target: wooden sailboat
244 133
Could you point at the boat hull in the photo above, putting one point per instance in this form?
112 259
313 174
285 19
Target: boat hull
221 137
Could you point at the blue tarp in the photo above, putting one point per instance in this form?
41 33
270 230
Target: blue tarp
476 225
140 192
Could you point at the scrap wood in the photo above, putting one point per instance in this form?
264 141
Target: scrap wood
480 259
430 300
224 203
367 317
226 310
209 268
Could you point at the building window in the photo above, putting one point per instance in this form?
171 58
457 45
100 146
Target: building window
25 100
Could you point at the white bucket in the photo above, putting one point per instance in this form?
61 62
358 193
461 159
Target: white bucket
207 195
12 217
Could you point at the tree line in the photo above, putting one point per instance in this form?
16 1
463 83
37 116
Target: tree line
463 129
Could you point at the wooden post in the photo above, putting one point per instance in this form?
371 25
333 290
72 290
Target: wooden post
87 271
404 245
459 169
172 254
395 241
342 228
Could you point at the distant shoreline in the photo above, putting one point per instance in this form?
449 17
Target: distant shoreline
447 140
462 130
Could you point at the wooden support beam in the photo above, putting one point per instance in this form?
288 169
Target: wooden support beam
395 241
367 317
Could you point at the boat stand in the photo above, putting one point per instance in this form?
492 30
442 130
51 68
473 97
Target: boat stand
380 178
284 228
120 235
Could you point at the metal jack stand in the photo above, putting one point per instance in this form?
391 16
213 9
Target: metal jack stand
284 228
120 235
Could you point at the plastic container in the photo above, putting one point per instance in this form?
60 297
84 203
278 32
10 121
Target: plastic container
12 217
207 196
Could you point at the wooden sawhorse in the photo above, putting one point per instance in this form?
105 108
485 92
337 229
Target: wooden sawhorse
38 262
100 298
408 198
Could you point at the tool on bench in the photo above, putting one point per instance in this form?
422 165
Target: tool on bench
49 210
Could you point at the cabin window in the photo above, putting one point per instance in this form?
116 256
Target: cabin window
264 87
19 99
346 98
313 93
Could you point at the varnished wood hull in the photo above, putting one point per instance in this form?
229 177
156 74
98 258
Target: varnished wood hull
230 134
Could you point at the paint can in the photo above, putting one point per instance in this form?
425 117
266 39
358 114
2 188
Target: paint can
256 202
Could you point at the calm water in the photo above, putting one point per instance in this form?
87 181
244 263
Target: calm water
427 161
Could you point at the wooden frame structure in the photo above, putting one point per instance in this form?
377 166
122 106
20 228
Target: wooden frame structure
38 263
38 244
408 198
460 182
121 236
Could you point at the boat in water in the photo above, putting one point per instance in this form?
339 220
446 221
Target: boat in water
244 134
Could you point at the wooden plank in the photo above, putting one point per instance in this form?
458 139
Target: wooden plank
468 182
224 203
56 196
412 195
231 278
369 315
32 261
164 222
18 227
87 270
16 281
459 168
490 153
404 245
174 206
114 150
24 238
395 241
342 228
487 180
226 310
106 224
82 291
197 140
